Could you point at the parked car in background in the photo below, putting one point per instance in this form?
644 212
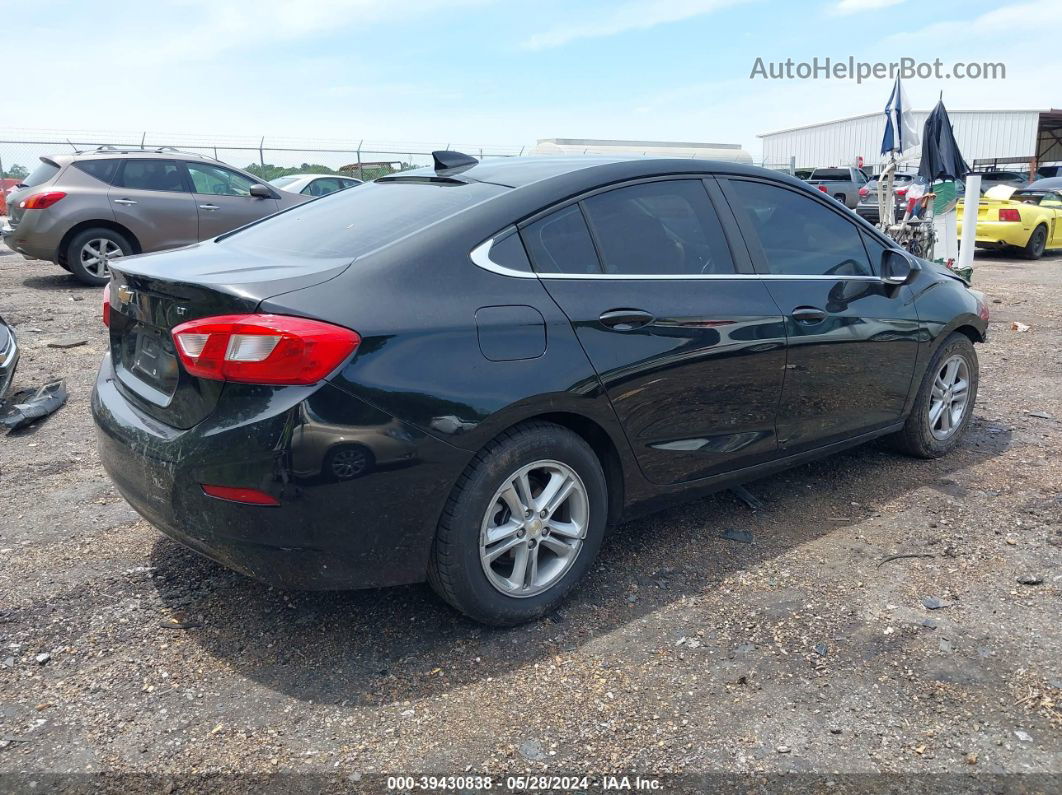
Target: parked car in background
539 347
82 211
1048 183
7 184
867 207
314 184
1045 172
1029 220
989 179
841 183
8 357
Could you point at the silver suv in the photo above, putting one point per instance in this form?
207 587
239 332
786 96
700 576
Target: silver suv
82 210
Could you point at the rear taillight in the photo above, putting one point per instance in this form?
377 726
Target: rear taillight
824 189
901 191
107 305
864 191
262 349
237 494
1009 215
42 201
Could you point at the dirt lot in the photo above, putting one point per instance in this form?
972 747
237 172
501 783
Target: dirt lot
804 650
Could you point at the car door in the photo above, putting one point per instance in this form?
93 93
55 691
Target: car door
1052 201
684 337
852 339
223 199
151 199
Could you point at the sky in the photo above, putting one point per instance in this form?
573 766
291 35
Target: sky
499 73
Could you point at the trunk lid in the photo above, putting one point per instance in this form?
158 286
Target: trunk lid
151 293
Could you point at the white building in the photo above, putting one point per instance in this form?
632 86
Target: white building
598 146
1017 139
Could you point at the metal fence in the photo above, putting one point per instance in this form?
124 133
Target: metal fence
266 156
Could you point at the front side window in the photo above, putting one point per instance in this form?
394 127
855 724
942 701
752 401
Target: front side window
666 228
164 175
217 181
561 243
798 235
321 187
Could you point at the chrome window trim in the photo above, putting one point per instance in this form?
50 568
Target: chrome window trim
480 255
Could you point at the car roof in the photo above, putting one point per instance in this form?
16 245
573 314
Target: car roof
314 176
160 153
518 172
1047 183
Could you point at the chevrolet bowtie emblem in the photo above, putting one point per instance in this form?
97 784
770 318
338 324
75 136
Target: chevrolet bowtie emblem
125 295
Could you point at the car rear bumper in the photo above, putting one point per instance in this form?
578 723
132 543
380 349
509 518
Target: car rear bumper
1000 233
35 237
868 212
326 533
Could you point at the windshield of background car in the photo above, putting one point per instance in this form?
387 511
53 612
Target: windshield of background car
41 174
352 223
280 182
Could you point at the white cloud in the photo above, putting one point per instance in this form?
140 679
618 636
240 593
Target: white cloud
845 7
1038 18
631 15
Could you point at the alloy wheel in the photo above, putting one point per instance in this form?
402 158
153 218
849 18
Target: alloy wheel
96 255
534 528
951 393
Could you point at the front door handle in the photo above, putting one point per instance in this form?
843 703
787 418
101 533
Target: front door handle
809 315
124 201
626 319
208 207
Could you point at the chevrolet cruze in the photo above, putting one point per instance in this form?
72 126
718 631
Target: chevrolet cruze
465 374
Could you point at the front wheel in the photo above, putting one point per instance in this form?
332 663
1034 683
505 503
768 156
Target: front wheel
523 525
945 401
89 254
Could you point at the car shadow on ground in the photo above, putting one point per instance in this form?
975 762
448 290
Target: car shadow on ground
389 645
60 280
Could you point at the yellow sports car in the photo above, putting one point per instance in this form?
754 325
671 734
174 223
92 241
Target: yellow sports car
1028 219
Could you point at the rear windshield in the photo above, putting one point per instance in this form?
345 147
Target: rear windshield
41 174
352 223
832 173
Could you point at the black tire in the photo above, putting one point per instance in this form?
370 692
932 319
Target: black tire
1034 249
77 243
917 438
455 570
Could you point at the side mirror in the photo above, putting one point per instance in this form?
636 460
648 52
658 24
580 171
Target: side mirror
261 192
898 267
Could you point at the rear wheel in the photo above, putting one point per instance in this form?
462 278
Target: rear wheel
945 401
90 252
523 525
1034 249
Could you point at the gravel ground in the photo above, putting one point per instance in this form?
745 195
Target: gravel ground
804 650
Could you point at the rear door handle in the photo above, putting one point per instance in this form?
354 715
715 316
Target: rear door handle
626 319
124 201
809 315
208 207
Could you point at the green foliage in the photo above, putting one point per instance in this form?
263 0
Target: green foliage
16 172
269 171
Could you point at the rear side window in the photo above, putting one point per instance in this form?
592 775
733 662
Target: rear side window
561 243
151 175
666 228
321 187
103 170
798 235
41 174
352 223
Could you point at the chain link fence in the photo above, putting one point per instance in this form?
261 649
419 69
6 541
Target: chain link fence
266 156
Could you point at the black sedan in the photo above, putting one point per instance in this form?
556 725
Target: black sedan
467 373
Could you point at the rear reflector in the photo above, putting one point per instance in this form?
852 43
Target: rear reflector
42 201
107 305
236 494
1010 215
263 349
